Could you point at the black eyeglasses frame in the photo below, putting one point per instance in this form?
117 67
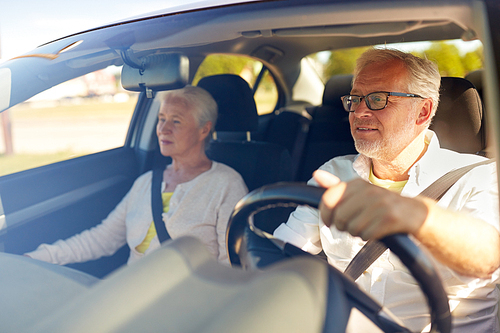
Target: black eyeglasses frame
389 93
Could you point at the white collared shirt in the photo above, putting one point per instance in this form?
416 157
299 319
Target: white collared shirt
473 301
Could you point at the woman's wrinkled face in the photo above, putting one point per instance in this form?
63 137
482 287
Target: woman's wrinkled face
179 133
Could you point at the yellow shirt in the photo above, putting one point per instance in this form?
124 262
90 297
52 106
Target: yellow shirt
141 248
395 186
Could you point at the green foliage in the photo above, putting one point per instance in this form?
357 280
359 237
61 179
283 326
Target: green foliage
266 95
473 60
224 64
446 55
450 62
342 61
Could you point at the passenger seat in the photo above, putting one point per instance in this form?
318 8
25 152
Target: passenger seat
259 163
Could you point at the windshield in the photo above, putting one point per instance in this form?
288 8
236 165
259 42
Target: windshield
80 54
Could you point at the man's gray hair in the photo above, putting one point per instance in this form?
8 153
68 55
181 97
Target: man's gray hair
423 75
197 100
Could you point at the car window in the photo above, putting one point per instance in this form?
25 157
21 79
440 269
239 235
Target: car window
266 92
454 57
82 116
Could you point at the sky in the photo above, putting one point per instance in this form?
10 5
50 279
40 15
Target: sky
26 24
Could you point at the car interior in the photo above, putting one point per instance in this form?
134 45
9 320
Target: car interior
164 52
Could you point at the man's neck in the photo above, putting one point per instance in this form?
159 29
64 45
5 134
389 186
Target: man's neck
397 169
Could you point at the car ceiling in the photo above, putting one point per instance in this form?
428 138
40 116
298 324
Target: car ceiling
280 33
281 36
268 30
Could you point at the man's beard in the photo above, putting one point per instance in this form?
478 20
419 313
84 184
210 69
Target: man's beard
389 147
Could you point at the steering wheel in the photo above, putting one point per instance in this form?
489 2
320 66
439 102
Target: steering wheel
242 240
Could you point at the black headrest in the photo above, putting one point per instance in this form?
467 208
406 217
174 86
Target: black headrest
234 97
336 87
458 120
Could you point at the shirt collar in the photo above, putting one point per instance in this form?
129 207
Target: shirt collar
421 172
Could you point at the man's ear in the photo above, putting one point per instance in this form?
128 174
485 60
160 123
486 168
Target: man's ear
425 112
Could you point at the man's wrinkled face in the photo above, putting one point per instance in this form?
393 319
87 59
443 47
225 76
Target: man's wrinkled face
385 133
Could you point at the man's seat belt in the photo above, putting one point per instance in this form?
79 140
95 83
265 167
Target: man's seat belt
374 249
157 205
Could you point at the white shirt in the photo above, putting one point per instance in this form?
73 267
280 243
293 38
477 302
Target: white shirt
200 207
473 301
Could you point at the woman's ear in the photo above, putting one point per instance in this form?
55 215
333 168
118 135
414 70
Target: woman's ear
205 129
425 112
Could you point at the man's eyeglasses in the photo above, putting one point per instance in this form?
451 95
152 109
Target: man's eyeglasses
374 101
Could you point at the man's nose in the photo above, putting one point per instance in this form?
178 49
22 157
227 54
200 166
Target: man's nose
362 110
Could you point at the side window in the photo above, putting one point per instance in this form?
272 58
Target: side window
266 92
82 116
266 95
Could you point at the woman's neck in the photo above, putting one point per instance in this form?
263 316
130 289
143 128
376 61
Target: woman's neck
182 171
180 165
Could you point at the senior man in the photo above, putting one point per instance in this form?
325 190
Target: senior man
392 102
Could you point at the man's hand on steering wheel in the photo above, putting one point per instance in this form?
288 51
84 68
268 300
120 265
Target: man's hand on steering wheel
366 210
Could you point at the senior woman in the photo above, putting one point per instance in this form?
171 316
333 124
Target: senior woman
198 194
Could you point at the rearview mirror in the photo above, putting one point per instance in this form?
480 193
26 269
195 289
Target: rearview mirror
156 72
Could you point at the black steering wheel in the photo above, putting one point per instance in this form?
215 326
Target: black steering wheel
243 237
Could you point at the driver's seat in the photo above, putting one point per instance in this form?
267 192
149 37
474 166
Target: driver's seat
459 122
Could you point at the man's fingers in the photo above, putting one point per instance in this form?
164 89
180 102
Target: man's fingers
330 199
325 179
335 190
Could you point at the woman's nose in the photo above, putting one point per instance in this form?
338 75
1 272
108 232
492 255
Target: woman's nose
164 127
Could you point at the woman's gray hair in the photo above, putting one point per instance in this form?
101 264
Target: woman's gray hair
198 100
423 75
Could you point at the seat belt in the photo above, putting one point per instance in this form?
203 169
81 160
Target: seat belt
299 144
374 249
157 205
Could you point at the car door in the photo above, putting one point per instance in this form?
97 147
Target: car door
54 201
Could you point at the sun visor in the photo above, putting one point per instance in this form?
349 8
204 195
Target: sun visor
155 72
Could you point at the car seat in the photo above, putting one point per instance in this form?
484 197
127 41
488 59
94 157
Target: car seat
329 132
259 163
289 128
459 123
476 78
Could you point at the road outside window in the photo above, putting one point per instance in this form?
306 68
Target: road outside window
83 116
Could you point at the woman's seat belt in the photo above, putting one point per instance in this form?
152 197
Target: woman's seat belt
157 205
